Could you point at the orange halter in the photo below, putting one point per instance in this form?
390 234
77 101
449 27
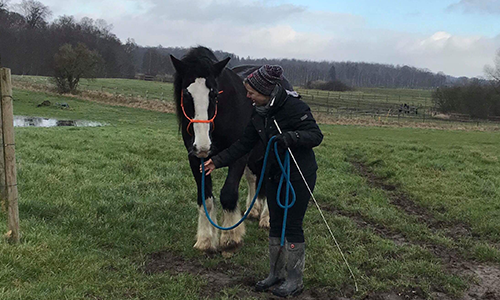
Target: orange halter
198 121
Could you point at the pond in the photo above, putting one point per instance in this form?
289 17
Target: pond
22 121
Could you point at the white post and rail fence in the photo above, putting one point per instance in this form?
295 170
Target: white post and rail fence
8 172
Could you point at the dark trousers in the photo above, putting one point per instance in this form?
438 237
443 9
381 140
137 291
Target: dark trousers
295 217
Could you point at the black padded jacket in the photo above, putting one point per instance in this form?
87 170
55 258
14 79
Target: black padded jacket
291 114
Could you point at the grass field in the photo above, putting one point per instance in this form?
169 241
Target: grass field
362 103
110 213
163 91
128 87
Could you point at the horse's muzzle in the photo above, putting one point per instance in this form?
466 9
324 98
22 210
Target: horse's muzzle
201 153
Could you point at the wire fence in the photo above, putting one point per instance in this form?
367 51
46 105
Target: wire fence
352 106
400 107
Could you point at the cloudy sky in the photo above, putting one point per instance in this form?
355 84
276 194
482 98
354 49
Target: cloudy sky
458 37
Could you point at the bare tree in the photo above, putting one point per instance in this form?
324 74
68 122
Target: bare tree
103 27
34 12
493 72
4 4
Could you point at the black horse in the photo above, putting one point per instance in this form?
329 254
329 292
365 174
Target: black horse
212 111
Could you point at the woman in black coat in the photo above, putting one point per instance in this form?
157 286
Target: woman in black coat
300 133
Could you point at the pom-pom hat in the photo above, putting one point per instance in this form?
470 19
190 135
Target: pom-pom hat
265 79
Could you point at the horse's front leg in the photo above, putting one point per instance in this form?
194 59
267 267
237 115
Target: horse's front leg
232 239
207 238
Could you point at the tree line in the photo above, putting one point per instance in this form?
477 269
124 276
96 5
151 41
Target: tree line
154 60
30 42
479 99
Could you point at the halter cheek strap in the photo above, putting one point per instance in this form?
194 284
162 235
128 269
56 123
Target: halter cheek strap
198 121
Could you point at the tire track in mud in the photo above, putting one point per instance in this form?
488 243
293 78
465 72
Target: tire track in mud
487 283
403 201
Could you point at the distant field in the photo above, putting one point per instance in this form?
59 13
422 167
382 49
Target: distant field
378 104
127 87
163 91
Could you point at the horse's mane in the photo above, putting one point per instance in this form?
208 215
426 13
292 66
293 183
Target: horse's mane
199 62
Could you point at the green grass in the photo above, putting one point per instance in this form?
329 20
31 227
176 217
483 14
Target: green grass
163 91
128 87
95 202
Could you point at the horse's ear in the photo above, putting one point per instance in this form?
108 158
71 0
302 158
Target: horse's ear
220 66
178 65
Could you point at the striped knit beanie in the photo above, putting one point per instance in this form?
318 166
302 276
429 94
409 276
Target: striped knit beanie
265 79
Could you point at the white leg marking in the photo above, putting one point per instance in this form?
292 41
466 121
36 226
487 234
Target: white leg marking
252 186
264 216
207 235
232 238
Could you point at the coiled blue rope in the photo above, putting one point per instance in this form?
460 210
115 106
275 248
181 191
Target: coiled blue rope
285 177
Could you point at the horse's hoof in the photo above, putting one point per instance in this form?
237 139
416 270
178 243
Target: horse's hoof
254 214
205 245
231 246
264 223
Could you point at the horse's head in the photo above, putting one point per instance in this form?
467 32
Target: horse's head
196 91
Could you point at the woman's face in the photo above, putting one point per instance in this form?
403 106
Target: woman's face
256 97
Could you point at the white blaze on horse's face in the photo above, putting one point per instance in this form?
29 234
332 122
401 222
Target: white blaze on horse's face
200 93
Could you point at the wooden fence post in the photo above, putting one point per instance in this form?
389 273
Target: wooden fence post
9 157
3 190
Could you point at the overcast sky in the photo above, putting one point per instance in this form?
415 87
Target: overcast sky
458 37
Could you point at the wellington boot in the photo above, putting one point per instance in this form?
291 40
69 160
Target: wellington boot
277 259
293 284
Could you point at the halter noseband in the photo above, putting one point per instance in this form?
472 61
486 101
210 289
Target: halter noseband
199 121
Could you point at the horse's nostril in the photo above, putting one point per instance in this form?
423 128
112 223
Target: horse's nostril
202 154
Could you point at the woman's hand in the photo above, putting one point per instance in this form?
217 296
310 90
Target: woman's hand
287 139
209 167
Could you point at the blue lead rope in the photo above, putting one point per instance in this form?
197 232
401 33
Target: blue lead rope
285 176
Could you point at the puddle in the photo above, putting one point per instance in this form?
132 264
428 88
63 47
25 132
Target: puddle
21 121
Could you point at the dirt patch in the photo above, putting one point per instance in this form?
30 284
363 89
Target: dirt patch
221 276
487 281
228 275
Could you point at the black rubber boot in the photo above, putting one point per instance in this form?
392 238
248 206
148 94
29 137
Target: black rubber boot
294 269
277 261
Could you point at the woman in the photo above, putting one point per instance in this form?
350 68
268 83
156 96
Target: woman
300 133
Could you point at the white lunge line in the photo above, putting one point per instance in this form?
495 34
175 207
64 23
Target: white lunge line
319 209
